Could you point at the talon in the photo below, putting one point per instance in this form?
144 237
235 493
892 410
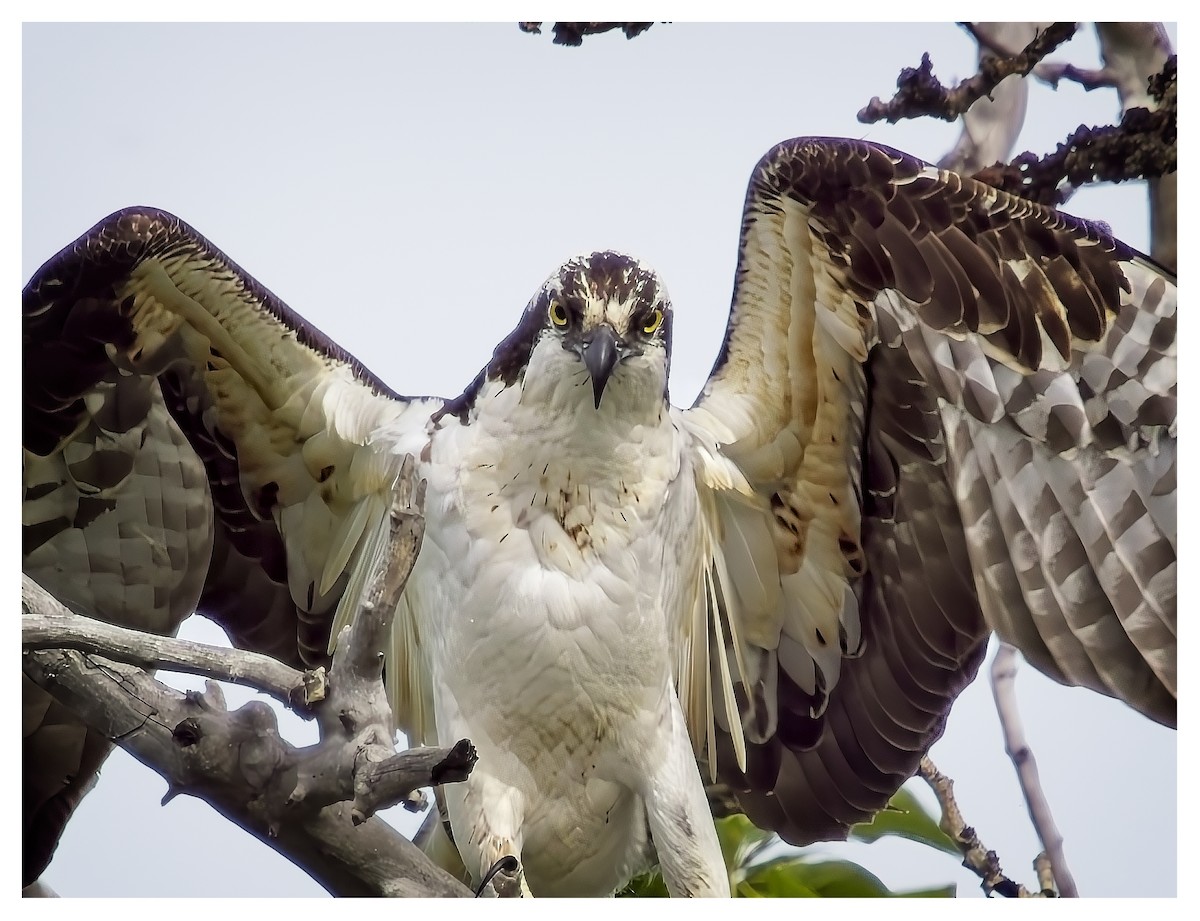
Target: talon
508 865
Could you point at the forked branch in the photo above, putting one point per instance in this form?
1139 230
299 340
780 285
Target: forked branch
313 805
919 92
977 858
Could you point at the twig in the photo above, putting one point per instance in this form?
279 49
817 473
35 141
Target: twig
991 126
386 783
976 858
1142 146
572 33
919 93
1138 60
1045 873
45 624
1004 670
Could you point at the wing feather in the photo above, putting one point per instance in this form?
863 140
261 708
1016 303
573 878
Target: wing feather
189 442
279 418
958 407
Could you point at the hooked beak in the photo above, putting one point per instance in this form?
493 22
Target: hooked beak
600 352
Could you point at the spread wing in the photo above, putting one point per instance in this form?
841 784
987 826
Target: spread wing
939 410
189 442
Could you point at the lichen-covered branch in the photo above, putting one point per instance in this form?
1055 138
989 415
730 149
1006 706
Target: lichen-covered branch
572 33
1139 64
976 857
1004 670
919 93
991 125
1143 145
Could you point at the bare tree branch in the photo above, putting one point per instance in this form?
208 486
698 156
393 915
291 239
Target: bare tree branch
919 93
1132 53
1135 54
47 625
237 763
1143 145
990 127
976 857
313 805
572 33
356 723
1004 670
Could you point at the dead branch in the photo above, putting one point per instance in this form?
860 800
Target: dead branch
1044 871
1132 52
1004 670
990 127
1144 145
313 805
1139 64
976 857
919 93
237 763
572 33
45 624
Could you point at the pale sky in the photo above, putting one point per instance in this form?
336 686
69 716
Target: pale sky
407 188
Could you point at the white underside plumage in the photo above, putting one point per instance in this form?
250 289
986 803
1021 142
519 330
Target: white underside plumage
594 583
540 603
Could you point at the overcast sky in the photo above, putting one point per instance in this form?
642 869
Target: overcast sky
407 188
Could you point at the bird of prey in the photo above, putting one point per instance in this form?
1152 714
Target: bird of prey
939 411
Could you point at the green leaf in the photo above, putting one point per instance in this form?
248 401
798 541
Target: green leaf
647 886
744 890
803 875
742 842
821 877
783 878
808 877
905 817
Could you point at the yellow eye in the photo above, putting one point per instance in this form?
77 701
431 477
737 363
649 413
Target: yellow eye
558 314
653 322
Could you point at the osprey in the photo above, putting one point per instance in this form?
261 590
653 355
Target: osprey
939 410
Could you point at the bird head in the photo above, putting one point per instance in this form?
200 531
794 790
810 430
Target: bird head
604 318
596 335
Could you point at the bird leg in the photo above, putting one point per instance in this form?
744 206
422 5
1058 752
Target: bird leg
681 825
487 815
507 880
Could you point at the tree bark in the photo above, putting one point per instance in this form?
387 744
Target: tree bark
313 805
